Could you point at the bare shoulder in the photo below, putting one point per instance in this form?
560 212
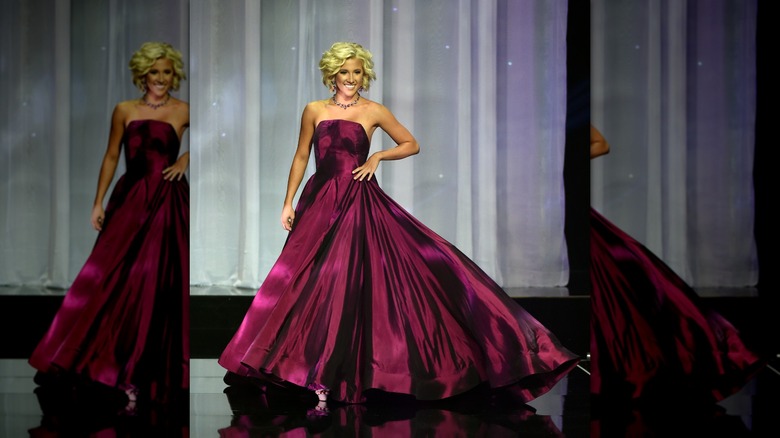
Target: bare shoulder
315 106
371 105
378 113
181 109
182 103
182 116
126 106
314 112
124 110
375 106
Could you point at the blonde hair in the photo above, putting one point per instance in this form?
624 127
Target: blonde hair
145 57
338 54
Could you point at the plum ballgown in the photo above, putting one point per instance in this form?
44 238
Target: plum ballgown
364 298
124 320
651 334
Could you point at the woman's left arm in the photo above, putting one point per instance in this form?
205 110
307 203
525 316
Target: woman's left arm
177 170
406 144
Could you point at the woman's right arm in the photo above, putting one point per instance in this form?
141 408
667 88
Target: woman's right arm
107 169
298 167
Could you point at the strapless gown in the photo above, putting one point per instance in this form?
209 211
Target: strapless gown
651 335
365 297
124 320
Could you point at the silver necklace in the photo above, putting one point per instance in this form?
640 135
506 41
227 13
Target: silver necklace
154 106
347 105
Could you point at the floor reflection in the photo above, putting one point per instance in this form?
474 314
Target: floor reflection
91 410
672 415
267 413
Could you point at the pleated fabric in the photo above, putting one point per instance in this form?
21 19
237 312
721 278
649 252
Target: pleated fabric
365 297
124 321
651 332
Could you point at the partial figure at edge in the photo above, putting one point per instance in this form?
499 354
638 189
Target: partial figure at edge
651 335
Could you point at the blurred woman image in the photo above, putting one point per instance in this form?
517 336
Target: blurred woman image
651 335
123 324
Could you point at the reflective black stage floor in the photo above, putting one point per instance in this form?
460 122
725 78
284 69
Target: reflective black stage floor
217 410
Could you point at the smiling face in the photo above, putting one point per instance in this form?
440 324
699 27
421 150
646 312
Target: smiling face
159 79
348 79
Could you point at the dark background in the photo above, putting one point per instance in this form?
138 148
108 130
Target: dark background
576 167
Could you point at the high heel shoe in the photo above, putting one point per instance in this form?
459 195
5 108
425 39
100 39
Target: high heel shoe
321 410
131 392
322 394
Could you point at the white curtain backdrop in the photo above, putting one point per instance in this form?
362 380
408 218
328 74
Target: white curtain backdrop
674 92
481 84
63 67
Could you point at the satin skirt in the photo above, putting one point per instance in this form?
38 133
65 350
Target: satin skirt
365 297
650 332
124 321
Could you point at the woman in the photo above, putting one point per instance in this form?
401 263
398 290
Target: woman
364 297
123 322
651 335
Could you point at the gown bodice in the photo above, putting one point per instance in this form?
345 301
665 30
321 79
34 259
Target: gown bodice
150 147
339 147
